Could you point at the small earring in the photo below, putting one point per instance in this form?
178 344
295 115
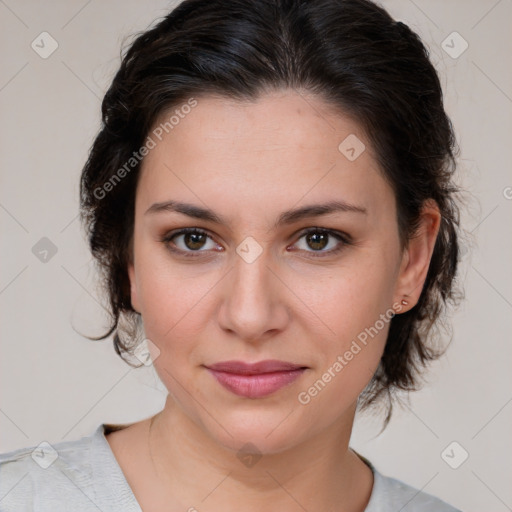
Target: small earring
404 302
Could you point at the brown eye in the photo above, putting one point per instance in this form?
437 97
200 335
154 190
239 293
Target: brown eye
316 240
194 241
188 241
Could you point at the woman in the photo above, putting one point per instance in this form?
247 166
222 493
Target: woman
270 200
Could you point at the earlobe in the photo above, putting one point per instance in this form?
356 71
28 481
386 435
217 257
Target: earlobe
417 256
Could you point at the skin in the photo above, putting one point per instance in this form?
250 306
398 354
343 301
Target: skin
249 162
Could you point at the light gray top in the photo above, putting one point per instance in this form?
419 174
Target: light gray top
83 475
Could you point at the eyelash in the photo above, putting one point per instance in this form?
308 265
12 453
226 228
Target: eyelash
342 237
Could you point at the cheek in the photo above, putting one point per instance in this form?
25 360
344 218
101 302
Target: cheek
350 298
354 306
177 312
173 308
349 358
168 292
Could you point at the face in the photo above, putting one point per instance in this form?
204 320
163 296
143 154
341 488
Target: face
252 284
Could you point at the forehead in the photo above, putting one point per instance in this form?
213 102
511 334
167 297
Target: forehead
278 120
278 150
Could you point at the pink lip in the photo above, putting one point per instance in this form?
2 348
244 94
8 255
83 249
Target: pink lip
255 380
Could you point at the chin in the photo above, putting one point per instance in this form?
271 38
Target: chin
267 432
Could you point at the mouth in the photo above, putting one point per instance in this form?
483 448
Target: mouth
255 380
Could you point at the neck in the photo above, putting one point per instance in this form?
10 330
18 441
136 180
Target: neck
312 475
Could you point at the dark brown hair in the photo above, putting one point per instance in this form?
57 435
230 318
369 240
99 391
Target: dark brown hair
351 54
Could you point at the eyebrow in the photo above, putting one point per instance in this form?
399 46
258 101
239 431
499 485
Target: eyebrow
287 217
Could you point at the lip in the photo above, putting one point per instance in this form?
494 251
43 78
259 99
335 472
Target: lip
255 380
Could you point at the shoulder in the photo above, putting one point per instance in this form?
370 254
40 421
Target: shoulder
390 494
41 476
401 496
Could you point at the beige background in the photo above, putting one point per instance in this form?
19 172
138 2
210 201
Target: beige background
56 385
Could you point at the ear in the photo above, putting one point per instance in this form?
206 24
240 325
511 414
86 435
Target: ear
417 255
133 287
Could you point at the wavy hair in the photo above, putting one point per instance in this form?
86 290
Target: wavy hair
350 53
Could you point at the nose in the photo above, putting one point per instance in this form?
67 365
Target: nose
254 305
